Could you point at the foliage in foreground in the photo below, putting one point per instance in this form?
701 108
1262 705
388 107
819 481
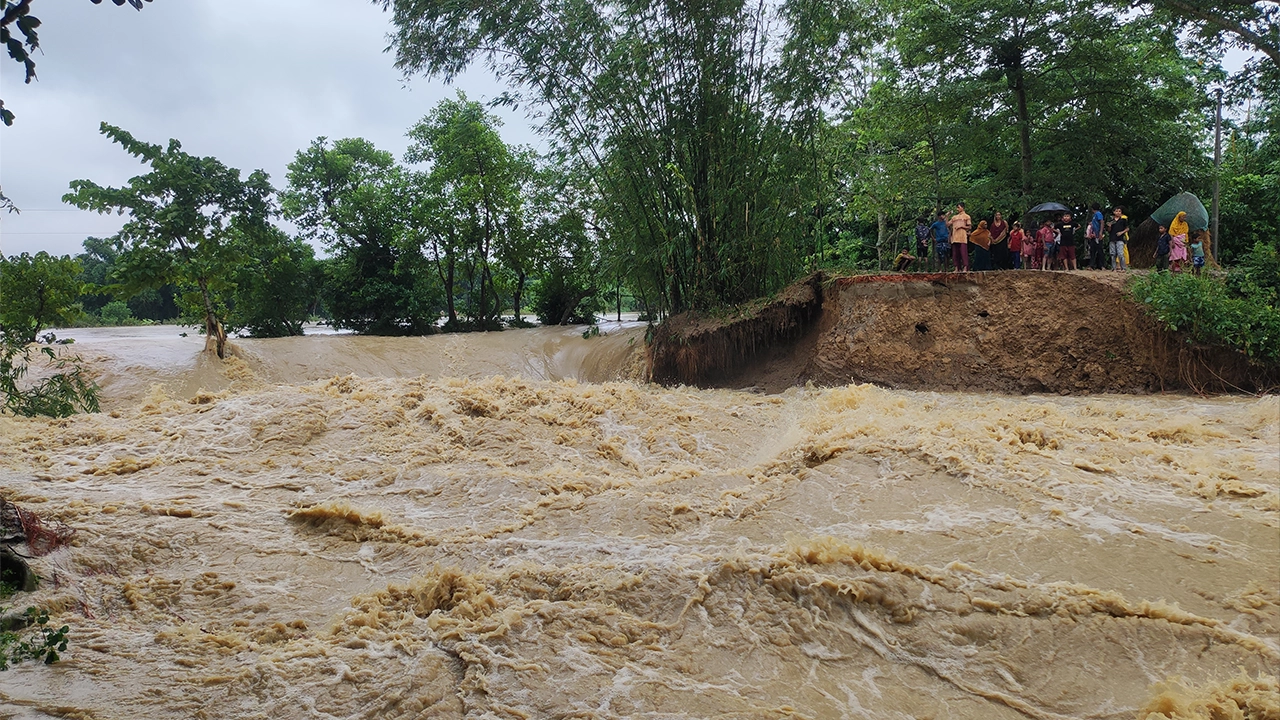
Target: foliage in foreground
37 292
39 642
1238 311
66 392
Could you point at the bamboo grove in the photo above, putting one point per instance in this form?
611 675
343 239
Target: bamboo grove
734 145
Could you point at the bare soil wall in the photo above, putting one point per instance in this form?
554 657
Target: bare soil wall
1014 332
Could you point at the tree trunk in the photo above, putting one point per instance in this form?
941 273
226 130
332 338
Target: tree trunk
882 234
215 337
518 295
1024 130
448 293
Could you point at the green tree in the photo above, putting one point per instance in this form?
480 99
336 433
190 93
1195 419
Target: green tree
1250 207
275 284
36 292
477 181
696 121
182 217
1253 26
354 199
116 313
1048 98
569 281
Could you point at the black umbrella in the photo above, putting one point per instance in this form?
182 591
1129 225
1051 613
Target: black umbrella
1050 207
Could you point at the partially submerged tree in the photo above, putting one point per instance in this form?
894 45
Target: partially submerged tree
275 283
182 217
36 292
354 199
477 179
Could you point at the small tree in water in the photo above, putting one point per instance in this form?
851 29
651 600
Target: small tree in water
182 216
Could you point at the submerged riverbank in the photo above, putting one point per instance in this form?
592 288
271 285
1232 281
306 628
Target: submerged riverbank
398 527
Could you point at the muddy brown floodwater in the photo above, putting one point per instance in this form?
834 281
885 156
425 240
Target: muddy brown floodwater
496 526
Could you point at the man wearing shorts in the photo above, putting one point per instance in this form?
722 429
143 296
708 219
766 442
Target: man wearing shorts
941 239
1119 232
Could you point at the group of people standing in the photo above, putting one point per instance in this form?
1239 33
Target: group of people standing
1172 249
1043 245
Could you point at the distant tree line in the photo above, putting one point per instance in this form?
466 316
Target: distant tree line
466 233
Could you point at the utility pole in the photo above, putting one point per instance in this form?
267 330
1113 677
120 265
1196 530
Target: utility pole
1217 169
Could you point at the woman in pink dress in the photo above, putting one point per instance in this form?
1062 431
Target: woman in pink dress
1178 231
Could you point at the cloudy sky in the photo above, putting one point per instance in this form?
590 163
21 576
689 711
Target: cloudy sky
247 81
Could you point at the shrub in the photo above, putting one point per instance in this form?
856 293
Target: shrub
563 298
116 313
62 394
1238 311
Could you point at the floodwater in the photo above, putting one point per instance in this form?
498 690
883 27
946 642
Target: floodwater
504 526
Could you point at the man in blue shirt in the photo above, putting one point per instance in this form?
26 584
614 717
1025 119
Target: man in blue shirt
1096 243
941 240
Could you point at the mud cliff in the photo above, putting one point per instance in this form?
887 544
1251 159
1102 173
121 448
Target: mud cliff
1018 332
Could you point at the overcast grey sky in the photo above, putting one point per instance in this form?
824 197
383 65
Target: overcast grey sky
247 81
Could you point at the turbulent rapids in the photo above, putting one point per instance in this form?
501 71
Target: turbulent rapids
507 525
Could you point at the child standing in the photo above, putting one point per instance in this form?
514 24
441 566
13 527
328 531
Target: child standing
1015 245
941 240
1162 249
1048 236
1197 255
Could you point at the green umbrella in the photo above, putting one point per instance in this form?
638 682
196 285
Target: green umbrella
1197 216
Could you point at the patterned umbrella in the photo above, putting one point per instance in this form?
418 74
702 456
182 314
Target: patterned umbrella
1197 216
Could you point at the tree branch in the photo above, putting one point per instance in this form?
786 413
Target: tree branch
1254 39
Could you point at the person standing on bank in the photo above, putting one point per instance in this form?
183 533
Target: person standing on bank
960 224
981 241
1162 249
941 240
1096 245
1119 233
922 240
1178 231
1197 255
1067 242
1019 246
1044 239
1000 248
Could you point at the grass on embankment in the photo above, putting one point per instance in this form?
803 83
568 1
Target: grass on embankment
1237 309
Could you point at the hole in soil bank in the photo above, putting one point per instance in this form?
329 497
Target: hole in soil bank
984 313
922 328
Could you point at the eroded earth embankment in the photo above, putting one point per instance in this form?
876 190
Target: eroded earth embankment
1023 332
